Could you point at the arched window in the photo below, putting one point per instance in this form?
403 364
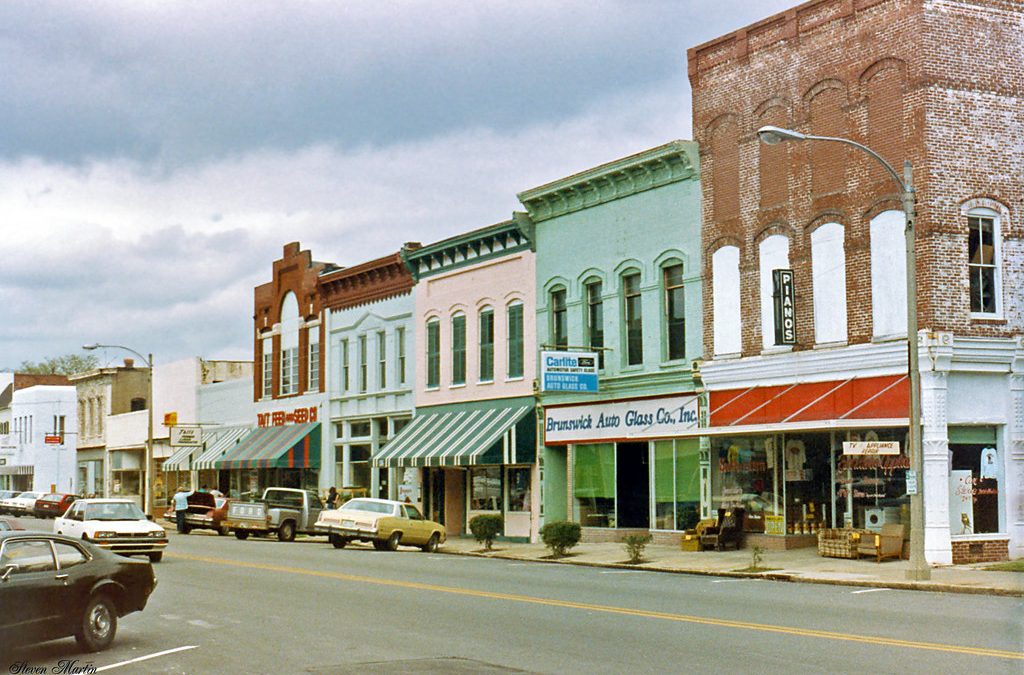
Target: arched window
559 318
459 348
774 255
983 262
594 320
289 345
514 313
888 274
486 327
828 273
633 317
433 353
725 290
675 308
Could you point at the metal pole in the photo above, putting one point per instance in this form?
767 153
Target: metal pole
148 495
919 569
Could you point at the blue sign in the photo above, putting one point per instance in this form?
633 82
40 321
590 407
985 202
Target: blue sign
568 371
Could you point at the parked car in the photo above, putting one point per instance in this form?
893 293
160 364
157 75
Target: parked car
281 511
384 522
20 505
56 587
205 512
53 505
117 525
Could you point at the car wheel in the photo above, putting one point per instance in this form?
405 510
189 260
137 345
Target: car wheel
286 532
241 534
156 557
338 541
222 530
99 624
392 542
431 544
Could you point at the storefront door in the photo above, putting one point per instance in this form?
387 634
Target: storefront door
633 485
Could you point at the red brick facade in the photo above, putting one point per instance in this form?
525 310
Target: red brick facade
295 272
989 550
937 82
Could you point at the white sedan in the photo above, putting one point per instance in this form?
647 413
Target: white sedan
117 525
20 505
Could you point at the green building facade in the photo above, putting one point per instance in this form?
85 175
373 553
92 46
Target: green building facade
618 273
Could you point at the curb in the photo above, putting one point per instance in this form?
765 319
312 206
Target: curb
767 576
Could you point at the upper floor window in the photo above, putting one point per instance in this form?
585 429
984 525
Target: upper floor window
983 261
633 318
289 345
515 340
268 367
459 349
433 353
725 298
828 282
137 404
400 350
559 322
675 305
595 318
774 255
487 345
313 376
888 274
382 360
363 360
345 366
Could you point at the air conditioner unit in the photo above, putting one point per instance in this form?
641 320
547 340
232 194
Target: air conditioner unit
875 517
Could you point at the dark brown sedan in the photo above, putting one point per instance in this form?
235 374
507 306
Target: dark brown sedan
53 586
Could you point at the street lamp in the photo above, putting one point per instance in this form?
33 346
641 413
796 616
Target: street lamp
919 569
147 493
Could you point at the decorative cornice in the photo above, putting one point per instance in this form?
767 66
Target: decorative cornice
367 282
471 248
665 164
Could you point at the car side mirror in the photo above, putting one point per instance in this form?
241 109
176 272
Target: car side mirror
8 570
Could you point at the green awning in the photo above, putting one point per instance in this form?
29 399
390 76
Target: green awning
483 432
293 446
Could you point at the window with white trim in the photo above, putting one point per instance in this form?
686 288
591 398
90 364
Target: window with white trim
289 345
313 360
725 291
487 345
774 255
382 360
268 368
888 274
983 261
363 358
633 318
459 349
675 308
433 353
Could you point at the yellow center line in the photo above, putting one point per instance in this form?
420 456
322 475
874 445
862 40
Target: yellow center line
726 623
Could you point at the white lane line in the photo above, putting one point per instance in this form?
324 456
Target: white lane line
870 590
146 658
518 565
201 623
619 572
726 581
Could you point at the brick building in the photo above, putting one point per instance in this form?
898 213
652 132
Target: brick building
938 83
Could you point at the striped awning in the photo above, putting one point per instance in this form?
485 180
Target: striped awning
459 436
293 446
226 439
16 470
181 460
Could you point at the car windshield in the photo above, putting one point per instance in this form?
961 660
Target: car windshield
29 495
114 511
372 507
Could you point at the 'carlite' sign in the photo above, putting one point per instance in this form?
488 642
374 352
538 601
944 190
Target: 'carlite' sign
621 420
568 371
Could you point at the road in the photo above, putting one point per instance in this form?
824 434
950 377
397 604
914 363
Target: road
260 606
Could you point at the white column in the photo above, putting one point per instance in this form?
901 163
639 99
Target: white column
1014 469
936 356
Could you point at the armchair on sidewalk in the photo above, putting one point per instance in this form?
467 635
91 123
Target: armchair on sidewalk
886 544
728 531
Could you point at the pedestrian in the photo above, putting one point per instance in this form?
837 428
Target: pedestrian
332 498
181 508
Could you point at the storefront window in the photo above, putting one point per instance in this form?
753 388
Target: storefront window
359 461
871 490
519 489
973 488
676 485
485 488
745 473
808 476
593 485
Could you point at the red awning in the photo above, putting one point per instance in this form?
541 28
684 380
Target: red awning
867 398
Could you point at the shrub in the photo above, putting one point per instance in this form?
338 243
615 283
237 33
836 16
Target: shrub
560 536
635 545
486 527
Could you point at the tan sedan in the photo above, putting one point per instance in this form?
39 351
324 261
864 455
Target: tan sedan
386 523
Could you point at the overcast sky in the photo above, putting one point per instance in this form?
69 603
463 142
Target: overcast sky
155 156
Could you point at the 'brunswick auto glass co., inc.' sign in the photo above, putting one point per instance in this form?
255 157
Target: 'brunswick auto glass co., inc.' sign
640 419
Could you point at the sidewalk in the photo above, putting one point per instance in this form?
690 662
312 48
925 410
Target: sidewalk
798 565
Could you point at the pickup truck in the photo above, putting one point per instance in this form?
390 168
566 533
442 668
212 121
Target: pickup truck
281 511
